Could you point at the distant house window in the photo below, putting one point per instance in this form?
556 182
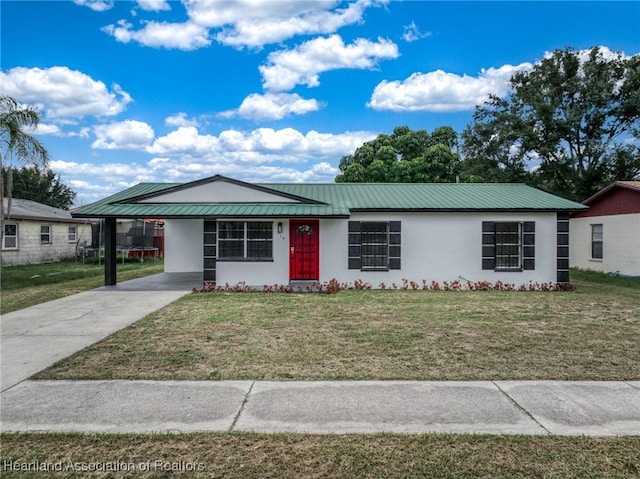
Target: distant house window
45 234
596 241
251 240
374 245
508 246
10 238
73 234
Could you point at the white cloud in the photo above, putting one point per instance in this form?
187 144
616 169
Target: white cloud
272 106
124 135
63 93
260 145
48 129
413 33
242 23
288 68
130 173
183 36
439 91
154 5
184 140
180 119
254 24
96 5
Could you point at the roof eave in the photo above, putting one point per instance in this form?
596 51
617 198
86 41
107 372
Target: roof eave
466 210
604 191
165 217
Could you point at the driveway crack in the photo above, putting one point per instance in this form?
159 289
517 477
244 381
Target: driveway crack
244 402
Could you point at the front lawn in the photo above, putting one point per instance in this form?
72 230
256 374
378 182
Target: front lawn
592 333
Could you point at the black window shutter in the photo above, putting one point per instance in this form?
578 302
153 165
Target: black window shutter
529 245
488 245
210 251
395 230
355 261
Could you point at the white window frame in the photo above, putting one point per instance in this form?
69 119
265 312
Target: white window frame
49 234
597 237
15 236
374 246
506 260
72 234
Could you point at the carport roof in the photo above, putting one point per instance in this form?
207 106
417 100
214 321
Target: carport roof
329 200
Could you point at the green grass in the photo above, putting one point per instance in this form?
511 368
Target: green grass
610 279
236 455
28 285
592 333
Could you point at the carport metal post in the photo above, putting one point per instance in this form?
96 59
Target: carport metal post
109 251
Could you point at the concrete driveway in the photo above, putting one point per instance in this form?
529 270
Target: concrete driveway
34 338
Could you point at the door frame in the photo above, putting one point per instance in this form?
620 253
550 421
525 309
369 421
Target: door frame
293 225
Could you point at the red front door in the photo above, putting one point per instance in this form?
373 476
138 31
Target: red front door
304 250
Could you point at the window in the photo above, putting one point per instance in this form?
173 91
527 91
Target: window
45 234
73 234
374 243
374 246
238 240
10 238
596 241
508 246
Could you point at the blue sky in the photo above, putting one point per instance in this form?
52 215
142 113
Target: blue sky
151 90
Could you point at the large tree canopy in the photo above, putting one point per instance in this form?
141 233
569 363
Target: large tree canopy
405 156
41 185
575 115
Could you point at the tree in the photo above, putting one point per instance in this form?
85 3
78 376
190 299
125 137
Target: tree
17 143
405 156
41 185
575 114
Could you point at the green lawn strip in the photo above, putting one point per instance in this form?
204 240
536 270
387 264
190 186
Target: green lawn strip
590 334
615 280
241 455
28 285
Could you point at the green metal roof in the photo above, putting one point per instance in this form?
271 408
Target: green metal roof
430 196
337 200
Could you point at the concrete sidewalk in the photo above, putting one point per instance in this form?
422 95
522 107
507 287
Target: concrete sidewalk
34 338
498 407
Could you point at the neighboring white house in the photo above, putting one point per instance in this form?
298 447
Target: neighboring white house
265 234
36 233
607 236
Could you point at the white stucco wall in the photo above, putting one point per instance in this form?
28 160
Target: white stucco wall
183 245
259 273
31 251
620 245
435 247
438 247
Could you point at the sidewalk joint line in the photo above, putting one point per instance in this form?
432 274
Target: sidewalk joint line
515 403
628 383
244 402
